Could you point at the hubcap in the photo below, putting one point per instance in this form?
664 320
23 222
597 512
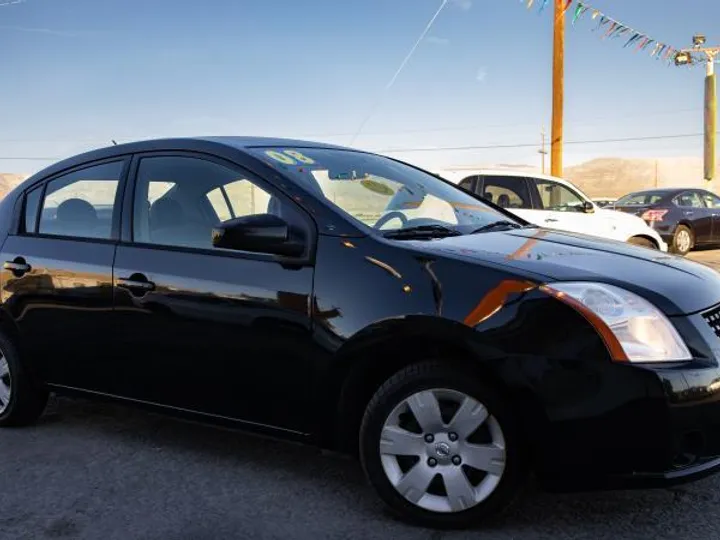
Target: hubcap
442 450
683 240
5 386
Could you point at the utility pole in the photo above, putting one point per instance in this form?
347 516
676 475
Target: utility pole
709 54
558 83
542 150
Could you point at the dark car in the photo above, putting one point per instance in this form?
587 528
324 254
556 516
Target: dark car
685 218
357 303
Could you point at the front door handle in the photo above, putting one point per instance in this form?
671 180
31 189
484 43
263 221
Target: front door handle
136 283
18 267
550 220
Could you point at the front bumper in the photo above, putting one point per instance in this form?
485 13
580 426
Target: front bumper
657 425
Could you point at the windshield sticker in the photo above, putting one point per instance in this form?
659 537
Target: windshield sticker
302 158
289 157
377 187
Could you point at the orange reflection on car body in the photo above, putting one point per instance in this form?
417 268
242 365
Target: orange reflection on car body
495 299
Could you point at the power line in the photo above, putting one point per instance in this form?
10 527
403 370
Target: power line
397 72
534 144
456 148
584 122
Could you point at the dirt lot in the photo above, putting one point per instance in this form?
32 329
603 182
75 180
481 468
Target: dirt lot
710 257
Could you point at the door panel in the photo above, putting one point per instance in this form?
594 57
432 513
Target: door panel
220 335
63 307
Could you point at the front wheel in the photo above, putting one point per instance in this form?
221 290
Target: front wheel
440 448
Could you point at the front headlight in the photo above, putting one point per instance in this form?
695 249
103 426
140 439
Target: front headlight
633 329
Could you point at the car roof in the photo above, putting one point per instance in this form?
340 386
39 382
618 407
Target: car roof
661 191
175 144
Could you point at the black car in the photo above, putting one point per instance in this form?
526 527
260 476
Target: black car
685 218
357 303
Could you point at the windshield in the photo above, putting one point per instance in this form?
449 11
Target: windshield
640 199
379 192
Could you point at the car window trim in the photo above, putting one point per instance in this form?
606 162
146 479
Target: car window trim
126 233
42 183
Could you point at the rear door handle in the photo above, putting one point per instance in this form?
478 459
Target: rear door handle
136 283
18 267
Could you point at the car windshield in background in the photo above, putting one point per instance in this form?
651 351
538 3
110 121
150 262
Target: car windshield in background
640 199
382 193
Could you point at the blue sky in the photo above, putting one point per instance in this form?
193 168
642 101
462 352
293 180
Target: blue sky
77 73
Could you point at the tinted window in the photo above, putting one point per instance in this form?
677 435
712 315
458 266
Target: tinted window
640 199
557 197
196 194
81 204
689 199
507 191
32 206
711 200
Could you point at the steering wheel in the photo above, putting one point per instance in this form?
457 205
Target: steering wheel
389 217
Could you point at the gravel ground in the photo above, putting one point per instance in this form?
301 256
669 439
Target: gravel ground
98 471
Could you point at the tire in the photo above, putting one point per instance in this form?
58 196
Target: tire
26 401
641 241
681 244
492 493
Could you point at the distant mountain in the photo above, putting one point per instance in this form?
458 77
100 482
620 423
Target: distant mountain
8 181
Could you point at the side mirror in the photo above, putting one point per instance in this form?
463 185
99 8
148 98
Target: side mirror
588 207
259 233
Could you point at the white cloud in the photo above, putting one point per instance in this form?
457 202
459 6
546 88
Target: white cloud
462 4
481 74
437 40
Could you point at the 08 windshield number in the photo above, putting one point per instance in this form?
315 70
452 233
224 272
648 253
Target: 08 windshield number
289 157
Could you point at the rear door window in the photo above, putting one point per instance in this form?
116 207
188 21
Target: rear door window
506 191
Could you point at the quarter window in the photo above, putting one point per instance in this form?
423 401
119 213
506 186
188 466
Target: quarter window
32 206
81 203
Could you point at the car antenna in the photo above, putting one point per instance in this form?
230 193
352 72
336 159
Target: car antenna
113 141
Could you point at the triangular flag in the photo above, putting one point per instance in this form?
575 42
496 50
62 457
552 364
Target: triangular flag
595 14
632 40
530 3
542 6
643 41
579 10
567 5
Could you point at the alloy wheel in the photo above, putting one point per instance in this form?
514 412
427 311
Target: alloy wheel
683 241
5 384
442 450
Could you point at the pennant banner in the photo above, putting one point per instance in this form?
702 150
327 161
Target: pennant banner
612 29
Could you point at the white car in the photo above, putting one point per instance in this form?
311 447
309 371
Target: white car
554 203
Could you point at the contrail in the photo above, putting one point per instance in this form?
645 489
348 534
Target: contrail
399 70
11 2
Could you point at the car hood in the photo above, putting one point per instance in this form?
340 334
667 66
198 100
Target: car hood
675 285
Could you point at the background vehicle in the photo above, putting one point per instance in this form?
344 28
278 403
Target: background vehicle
348 300
555 203
604 202
685 218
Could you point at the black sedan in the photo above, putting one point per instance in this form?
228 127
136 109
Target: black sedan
685 218
353 302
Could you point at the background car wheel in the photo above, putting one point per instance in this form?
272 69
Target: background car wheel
442 449
21 401
641 241
683 240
